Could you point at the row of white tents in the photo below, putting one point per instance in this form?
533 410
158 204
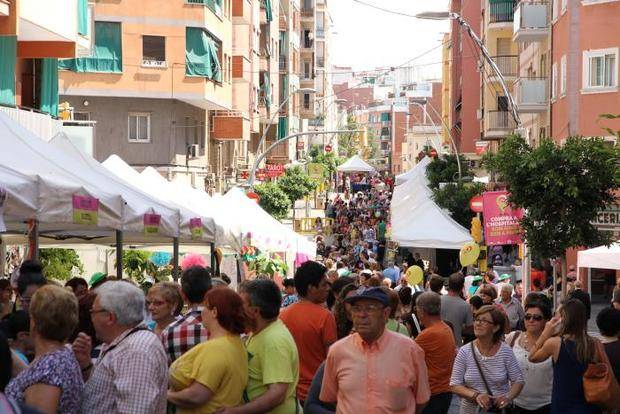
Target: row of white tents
417 221
53 182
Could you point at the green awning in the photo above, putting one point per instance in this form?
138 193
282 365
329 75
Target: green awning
282 127
106 55
268 10
201 58
82 16
48 86
8 56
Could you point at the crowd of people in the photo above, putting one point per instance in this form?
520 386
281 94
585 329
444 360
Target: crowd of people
344 335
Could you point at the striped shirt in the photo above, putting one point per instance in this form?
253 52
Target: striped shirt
500 370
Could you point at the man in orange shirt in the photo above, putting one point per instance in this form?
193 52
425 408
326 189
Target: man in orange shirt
375 370
313 327
437 341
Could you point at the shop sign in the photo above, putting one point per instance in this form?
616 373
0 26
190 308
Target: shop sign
315 170
260 175
274 170
608 219
85 210
501 221
152 223
481 147
195 228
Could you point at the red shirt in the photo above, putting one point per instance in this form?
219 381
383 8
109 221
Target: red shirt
313 328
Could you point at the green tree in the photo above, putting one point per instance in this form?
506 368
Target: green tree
348 142
561 188
273 200
329 160
454 195
135 264
60 264
296 184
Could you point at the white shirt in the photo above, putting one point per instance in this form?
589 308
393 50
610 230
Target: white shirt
538 377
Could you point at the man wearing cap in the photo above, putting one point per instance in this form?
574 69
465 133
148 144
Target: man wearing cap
374 370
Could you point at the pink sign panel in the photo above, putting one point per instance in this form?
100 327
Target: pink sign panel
501 221
85 209
195 227
151 223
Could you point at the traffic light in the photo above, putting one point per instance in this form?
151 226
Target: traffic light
476 229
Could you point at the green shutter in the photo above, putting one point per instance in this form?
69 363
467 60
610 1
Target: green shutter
282 127
107 54
385 117
48 92
268 10
82 17
201 57
8 55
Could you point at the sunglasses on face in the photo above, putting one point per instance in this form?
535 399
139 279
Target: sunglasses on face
537 318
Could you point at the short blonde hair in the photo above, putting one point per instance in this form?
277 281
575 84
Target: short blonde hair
171 292
54 311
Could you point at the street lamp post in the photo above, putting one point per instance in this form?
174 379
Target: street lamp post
485 53
264 137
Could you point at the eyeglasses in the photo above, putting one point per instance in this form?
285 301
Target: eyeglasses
93 311
483 321
537 318
365 309
155 302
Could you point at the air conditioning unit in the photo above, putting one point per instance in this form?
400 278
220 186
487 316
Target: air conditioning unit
148 63
193 150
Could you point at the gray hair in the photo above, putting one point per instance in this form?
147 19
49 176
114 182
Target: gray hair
124 300
508 288
430 303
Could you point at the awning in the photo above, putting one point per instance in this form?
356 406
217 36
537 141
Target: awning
355 164
602 257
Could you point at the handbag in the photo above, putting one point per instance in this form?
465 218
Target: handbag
486 385
599 382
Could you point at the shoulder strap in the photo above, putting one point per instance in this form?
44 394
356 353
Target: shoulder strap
486 384
514 338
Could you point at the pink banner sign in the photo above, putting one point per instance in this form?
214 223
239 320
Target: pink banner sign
85 210
195 227
151 223
501 221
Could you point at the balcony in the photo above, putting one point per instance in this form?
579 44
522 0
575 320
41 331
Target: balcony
320 33
213 5
508 66
316 122
532 95
4 8
241 12
501 11
230 125
320 62
307 14
531 22
283 63
498 124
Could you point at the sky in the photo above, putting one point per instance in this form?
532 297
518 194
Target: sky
365 38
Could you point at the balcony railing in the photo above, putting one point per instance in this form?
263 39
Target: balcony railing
531 21
501 11
307 12
500 120
532 94
282 63
508 65
214 5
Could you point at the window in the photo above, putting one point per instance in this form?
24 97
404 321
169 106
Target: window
600 69
555 10
307 70
502 103
153 50
81 116
139 127
306 101
564 6
554 80
563 75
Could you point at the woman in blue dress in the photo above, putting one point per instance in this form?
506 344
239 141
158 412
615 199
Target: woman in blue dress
566 339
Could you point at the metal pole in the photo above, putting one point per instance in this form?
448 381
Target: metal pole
33 239
119 254
443 122
175 258
487 57
392 137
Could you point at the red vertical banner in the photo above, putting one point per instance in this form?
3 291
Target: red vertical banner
501 221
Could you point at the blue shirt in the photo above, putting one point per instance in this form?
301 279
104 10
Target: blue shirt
391 273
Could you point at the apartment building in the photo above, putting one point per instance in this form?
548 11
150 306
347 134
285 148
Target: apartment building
33 36
446 84
465 102
584 61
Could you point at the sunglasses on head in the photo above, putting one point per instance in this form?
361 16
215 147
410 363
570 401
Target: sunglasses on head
537 318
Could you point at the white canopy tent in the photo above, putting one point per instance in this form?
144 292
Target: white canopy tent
602 257
417 172
141 202
155 189
418 222
58 179
355 164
